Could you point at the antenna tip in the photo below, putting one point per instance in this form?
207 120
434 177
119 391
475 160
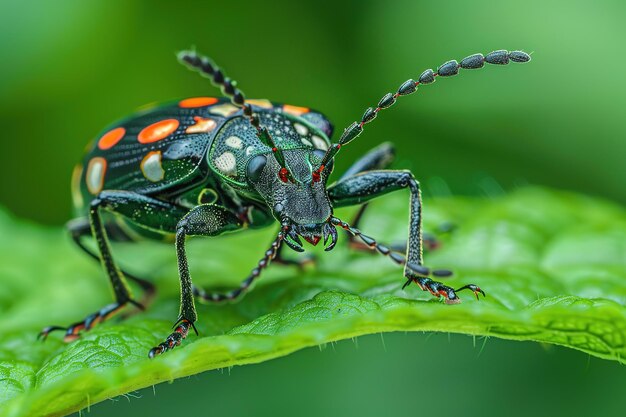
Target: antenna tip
519 56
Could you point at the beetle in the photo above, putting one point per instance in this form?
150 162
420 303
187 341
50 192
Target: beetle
205 166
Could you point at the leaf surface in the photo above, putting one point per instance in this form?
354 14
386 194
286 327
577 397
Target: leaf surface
553 265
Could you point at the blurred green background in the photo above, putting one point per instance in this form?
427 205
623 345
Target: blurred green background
69 68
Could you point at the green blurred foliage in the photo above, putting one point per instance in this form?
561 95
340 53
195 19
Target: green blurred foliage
69 68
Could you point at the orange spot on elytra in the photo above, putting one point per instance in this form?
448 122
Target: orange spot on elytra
157 131
295 110
197 102
111 138
201 125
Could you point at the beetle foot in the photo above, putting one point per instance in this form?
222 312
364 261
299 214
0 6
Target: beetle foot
474 288
181 329
73 331
440 290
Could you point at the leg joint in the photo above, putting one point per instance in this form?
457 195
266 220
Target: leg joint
96 203
407 179
181 226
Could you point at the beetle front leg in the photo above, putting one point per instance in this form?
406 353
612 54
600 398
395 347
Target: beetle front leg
378 158
365 186
203 220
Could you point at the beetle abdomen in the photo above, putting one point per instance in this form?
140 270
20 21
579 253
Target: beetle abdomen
155 151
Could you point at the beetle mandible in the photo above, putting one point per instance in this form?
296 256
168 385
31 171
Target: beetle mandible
205 166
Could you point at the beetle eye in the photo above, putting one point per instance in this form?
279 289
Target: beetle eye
320 155
255 167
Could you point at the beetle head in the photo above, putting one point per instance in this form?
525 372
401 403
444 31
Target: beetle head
297 201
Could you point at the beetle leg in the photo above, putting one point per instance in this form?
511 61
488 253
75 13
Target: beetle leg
367 185
80 228
144 210
270 255
202 220
72 332
379 157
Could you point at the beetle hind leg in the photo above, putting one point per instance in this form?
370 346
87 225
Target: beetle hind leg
72 331
136 207
80 228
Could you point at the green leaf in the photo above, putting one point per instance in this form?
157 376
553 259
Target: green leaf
553 265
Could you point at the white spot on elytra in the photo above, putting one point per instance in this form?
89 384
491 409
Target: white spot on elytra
95 175
301 129
306 142
151 166
234 142
226 163
266 104
319 143
249 150
223 109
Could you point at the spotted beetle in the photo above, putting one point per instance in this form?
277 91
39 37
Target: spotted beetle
206 166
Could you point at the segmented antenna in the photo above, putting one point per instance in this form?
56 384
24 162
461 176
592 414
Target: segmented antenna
284 173
450 68
208 68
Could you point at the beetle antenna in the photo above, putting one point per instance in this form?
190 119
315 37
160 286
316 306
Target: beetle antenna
450 68
209 69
